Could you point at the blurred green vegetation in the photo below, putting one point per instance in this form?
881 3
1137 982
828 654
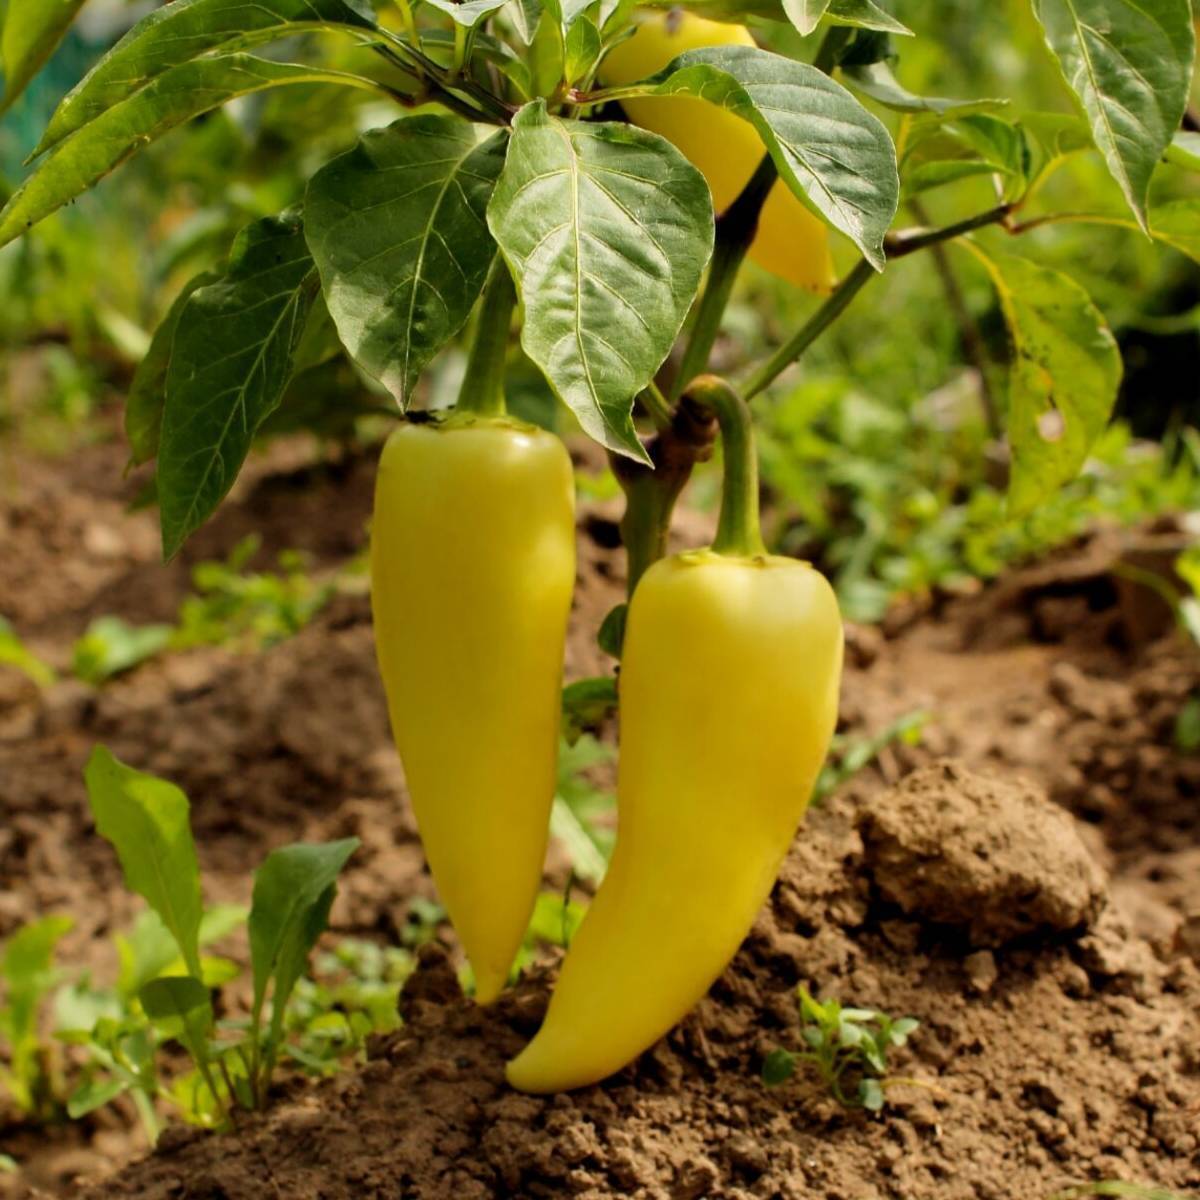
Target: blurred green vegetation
878 460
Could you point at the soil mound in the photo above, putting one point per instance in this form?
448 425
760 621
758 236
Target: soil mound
1068 1053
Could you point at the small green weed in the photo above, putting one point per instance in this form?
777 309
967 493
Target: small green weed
848 1048
33 1076
14 653
249 609
147 820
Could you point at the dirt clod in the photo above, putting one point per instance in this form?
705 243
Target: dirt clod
958 847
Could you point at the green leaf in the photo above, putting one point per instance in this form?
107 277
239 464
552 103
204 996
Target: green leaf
231 361
833 154
977 144
27 969
468 12
293 893
870 1094
181 1010
1177 224
111 646
31 31
148 389
806 15
399 233
865 14
582 50
878 81
121 131
778 1067
1187 726
93 1094
14 653
1053 137
183 31
1184 150
585 703
611 635
525 15
607 229
1063 379
1129 62
147 821
587 859
148 950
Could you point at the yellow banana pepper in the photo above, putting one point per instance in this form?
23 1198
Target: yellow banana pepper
790 242
729 695
472 572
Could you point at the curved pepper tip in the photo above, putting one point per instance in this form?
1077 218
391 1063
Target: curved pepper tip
527 1074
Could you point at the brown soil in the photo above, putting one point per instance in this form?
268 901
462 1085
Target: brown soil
1051 960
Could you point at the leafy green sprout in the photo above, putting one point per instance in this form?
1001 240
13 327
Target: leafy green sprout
147 820
847 1047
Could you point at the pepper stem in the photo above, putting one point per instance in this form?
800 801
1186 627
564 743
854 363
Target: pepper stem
482 388
739 533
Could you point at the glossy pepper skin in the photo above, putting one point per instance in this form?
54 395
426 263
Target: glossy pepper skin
791 242
472 570
729 694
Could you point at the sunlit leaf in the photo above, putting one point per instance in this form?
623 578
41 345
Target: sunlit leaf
185 30
1129 62
832 153
866 14
398 229
805 14
1063 379
467 12
1184 150
878 81
31 31
174 97
607 229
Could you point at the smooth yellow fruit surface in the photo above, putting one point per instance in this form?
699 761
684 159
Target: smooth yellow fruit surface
791 242
472 571
729 695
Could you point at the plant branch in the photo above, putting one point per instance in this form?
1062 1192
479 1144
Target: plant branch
736 228
897 245
651 492
482 388
494 109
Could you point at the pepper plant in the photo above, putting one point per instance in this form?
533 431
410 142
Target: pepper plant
504 145
604 173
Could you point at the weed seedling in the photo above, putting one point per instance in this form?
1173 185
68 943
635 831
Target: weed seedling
147 820
848 1047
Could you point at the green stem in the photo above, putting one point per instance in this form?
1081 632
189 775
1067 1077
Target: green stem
651 491
656 404
491 107
825 316
736 228
832 45
897 245
739 532
482 388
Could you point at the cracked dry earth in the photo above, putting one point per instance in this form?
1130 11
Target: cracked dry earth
1025 883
